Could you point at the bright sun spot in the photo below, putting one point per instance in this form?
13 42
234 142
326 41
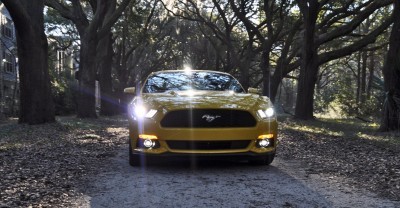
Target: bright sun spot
187 68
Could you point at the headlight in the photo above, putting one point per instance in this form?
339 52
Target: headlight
138 111
268 113
151 113
143 112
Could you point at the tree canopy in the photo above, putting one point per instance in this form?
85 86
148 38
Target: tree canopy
307 56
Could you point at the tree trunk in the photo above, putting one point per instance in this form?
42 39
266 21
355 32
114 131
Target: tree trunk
309 67
391 74
109 104
265 67
90 30
274 87
36 103
364 76
87 77
281 69
358 93
371 73
276 79
122 72
245 66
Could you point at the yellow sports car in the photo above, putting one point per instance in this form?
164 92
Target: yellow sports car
200 113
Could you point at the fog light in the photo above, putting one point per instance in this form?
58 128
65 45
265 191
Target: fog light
266 136
148 143
147 136
264 143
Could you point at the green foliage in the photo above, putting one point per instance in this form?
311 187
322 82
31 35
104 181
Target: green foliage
62 81
323 100
56 25
62 36
63 97
369 107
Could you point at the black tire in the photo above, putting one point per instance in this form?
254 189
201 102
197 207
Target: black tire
134 160
265 160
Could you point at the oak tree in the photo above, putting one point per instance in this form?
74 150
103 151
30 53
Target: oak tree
92 25
36 103
391 73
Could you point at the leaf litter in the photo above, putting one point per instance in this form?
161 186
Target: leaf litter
46 165
373 165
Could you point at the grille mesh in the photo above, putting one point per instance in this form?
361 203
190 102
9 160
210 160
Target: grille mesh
208 118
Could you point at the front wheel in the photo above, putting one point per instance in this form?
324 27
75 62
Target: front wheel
264 160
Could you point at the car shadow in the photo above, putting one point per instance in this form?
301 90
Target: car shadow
193 162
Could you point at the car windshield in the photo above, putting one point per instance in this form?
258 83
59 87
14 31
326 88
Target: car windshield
181 81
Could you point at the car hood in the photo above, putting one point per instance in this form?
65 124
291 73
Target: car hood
205 99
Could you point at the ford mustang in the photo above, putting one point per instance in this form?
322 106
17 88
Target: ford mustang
200 113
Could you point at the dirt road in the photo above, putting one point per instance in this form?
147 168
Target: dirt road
221 184
83 163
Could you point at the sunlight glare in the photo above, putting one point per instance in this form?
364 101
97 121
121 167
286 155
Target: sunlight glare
187 69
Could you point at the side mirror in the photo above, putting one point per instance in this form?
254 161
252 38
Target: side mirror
130 90
254 91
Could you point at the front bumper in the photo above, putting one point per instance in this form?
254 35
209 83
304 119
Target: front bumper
165 135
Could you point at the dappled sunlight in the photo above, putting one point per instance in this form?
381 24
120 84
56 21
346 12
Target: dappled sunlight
346 128
88 138
14 145
116 130
316 130
360 154
388 138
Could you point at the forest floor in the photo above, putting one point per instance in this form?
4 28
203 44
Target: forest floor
49 165
349 149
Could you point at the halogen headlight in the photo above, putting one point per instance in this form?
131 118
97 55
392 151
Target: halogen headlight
261 113
139 111
151 113
142 112
268 113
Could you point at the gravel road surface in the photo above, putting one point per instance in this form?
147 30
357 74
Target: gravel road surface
221 184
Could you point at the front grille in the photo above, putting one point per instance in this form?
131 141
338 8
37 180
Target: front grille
208 145
208 118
